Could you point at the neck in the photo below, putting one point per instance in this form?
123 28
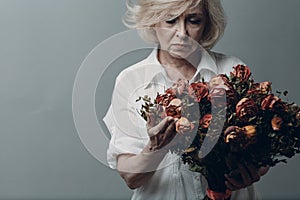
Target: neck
179 68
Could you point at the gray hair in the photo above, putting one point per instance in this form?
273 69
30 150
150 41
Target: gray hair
144 14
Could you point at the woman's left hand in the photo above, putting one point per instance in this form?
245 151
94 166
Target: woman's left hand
244 176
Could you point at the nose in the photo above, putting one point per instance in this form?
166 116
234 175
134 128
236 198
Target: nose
181 31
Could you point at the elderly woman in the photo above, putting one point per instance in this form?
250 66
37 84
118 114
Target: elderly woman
184 31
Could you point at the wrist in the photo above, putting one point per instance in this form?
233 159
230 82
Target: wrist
150 150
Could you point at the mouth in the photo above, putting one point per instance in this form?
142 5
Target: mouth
181 46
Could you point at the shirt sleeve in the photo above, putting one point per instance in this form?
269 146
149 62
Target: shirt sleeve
126 127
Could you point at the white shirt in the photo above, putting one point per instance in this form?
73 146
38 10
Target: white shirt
173 180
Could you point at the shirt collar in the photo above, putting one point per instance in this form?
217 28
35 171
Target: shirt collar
154 67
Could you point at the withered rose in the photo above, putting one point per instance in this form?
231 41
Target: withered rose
171 91
265 87
183 125
220 81
189 150
164 99
180 86
272 102
260 88
198 91
276 123
218 87
217 97
246 109
233 137
242 72
240 138
230 133
298 115
160 110
174 108
250 131
255 89
205 121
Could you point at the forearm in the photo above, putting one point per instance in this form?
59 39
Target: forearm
137 169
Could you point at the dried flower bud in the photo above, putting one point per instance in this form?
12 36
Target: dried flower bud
189 150
217 97
164 99
174 108
265 87
240 138
272 102
205 121
276 123
230 136
230 133
246 109
249 131
198 91
183 125
170 91
220 81
260 88
298 115
242 72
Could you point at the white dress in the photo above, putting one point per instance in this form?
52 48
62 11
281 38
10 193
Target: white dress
173 180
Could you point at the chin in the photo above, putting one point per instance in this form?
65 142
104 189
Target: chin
181 55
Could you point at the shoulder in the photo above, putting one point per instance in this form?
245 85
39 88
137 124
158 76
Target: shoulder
225 63
133 70
136 74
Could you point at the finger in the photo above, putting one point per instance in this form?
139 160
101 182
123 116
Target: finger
160 127
230 186
170 131
233 182
150 119
254 173
239 177
246 178
171 128
168 136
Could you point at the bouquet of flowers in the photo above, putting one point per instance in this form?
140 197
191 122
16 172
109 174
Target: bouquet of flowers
236 120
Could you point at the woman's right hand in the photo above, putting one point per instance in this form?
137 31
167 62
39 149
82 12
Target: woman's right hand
160 134
137 169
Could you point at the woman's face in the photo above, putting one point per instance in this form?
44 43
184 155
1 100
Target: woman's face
181 35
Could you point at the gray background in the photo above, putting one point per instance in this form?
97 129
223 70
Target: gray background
42 45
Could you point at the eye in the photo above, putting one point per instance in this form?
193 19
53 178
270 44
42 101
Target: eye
171 21
195 21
